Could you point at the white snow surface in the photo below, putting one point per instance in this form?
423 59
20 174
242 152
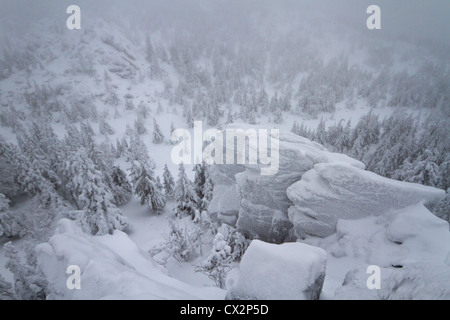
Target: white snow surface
112 267
407 241
420 281
280 272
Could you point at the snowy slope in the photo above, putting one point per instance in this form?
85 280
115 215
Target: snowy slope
112 267
95 74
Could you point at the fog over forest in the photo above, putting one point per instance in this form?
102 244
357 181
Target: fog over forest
94 122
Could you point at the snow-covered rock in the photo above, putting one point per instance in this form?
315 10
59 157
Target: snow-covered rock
411 234
396 240
259 203
287 271
332 191
224 205
112 267
413 281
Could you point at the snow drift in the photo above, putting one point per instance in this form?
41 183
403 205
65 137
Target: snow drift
112 267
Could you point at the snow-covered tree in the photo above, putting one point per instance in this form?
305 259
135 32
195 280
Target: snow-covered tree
168 182
91 193
6 292
203 186
10 222
143 110
181 242
4 203
105 128
139 126
122 189
230 118
129 104
9 170
278 117
423 170
146 186
208 189
344 140
101 216
321 133
228 245
151 57
158 136
29 281
111 96
442 209
218 263
185 196
199 179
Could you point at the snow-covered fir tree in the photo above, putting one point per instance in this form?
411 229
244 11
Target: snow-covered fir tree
158 136
185 195
140 127
146 186
229 245
168 183
122 187
105 128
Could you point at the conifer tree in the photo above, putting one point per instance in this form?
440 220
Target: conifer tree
168 182
185 195
158 136
139 127
146 186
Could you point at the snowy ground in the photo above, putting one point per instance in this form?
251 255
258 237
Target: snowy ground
149 230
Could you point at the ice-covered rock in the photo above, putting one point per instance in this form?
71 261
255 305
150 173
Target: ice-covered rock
413 281
257 203
332 191
287 271
112 267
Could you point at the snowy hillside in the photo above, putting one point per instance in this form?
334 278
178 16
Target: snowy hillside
358 140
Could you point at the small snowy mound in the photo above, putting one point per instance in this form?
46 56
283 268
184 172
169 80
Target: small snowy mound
290 271
332 191
112 267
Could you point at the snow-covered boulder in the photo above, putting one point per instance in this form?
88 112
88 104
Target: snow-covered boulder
411 234
112 267
396 241
258 204
332 191
416 281
287 271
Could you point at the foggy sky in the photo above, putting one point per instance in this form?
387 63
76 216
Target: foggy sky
414 19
